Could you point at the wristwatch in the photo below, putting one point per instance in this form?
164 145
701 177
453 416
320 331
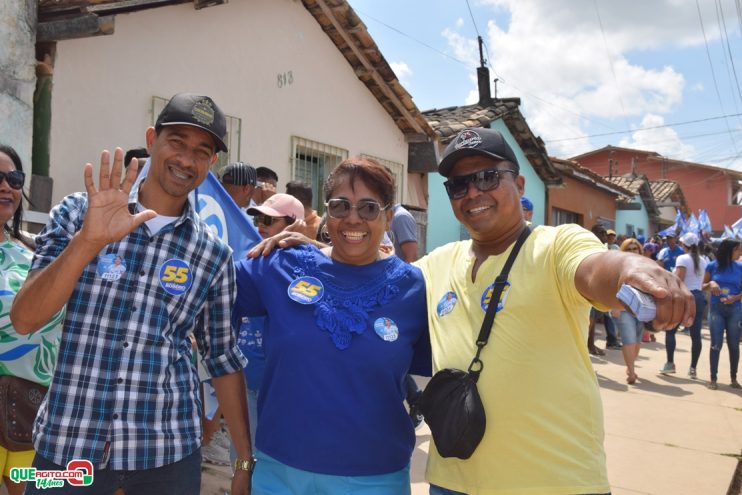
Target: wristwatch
245 464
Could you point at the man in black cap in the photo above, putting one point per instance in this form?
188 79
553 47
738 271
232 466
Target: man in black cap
239 179
544 429
124 397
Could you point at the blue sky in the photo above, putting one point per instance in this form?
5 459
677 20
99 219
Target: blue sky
581 68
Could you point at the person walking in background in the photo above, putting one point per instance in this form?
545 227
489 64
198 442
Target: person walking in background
629 326
24 359
265 186
667 258
527 206
239 179
303 192
611 339
403 231
610 240
691 268
723 278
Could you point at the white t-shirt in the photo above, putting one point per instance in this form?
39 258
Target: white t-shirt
693 279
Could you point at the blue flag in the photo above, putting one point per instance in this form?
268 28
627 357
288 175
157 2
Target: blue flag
692 225
672 229
704 220
219 211
728 233
680 222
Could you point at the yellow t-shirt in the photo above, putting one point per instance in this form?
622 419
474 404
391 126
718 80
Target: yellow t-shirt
544 430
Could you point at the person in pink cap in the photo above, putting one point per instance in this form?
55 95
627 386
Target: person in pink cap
278 212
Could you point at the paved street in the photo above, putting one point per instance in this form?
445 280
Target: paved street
667 434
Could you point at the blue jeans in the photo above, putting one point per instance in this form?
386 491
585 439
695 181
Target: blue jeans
610 330
179 478
695 329
725 317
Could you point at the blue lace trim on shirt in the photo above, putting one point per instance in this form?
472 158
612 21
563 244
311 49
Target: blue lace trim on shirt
343 311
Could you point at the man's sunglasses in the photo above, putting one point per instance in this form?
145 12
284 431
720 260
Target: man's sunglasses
367 209
266 220
484 180
15 178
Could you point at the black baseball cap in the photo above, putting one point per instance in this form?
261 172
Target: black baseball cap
239 174
477 141
197 111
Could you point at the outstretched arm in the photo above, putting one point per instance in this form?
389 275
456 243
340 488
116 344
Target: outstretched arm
599 277
107 220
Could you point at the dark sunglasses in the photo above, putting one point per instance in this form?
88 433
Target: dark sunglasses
367 209
15 178
266 220
484 180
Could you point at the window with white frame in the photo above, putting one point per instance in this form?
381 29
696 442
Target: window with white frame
398 171
232 139
311 163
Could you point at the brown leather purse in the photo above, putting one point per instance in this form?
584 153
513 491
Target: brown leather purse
19 402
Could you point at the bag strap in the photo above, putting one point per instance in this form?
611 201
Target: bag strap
476 366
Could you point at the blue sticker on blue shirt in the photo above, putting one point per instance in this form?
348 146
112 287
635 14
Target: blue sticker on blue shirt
487 295
306 290
386 329
176 277
110 267
446 304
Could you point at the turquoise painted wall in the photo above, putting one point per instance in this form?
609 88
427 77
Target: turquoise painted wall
442 224
638 218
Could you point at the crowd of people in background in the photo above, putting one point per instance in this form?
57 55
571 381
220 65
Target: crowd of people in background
712 270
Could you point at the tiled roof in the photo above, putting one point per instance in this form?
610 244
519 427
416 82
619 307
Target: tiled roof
336 18
448 122
638 185
586 175
662 190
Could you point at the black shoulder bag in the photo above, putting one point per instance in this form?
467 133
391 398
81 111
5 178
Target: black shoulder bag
450 403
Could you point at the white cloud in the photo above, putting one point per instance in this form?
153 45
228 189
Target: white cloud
663 140
402 71
571 75
459 23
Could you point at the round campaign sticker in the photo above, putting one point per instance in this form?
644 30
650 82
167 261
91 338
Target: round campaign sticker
306 290
110 267
487 295
386 329
175 277
446 304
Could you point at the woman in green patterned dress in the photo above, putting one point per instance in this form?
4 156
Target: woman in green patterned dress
32 356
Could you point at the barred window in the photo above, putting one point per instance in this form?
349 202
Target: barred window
398 170
312 163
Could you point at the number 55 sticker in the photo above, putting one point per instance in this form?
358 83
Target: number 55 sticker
175 277
306 290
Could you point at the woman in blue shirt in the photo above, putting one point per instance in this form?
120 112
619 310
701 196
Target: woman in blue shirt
346 324
724 279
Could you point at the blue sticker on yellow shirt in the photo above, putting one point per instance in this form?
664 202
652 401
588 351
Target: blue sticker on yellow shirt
386 329
306 290
487 295
446 304
110 267
175 277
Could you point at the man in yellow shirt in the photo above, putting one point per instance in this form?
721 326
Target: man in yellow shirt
544 431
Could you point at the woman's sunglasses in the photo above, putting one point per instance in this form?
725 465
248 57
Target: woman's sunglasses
266 220
484 180
367 209
15 178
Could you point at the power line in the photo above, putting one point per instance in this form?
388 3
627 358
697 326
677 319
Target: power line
610 62
479 36
687 122
398 31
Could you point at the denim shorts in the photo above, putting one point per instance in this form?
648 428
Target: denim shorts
631 329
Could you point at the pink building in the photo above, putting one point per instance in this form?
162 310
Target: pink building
718 190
